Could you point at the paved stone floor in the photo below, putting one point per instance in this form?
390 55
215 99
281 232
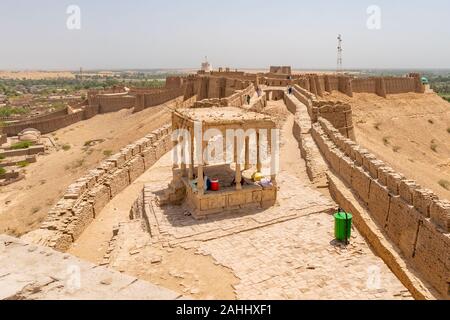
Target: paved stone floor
298 260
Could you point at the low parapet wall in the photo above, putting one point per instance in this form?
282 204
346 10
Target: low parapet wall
84 199
316 168
338 113
413 218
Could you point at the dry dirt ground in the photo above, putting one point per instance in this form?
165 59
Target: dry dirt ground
408 131
23 205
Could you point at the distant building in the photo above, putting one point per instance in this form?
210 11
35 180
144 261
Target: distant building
285 70
206 66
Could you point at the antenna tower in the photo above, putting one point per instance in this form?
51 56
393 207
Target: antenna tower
339 54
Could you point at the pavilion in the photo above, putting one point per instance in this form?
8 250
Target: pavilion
205 134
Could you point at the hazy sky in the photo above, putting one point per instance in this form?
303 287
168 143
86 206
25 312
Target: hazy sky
235 33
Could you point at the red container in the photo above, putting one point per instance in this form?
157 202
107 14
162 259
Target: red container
215 186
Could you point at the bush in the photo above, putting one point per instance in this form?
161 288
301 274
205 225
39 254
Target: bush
66 147
107 153
9 111
434 146
22 145
2 171
89 143
23 164
396 148
444 184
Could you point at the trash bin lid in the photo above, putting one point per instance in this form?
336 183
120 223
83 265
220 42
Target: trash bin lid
341 216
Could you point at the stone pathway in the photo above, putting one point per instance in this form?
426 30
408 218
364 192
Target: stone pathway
299 260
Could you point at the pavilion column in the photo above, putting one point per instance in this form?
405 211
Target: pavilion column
191 155
258 154
273 160
200 180
184 157
175 152
238 176
247 153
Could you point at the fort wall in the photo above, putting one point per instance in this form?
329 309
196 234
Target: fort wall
46 125
376 85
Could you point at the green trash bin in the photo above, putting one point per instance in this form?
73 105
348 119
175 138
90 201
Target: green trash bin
343 226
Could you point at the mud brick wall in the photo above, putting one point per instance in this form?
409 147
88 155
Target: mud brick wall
32 150
2 138
338 113
400 85
237 99
375 85
155 99
305 97
345 85
274 82
259 105
51 115
115 103
86 197
44 126
388 85
364 85
331 83
90 112
412 217
281 69
174 82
